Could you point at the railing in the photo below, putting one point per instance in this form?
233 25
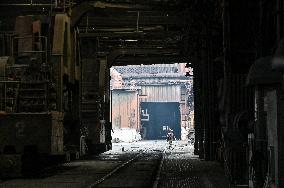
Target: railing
8 96
66 4
5 43
41 50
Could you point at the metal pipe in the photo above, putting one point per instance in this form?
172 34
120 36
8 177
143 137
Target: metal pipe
279 19
137 21
227 53
3 44
5 88
87 24
27 4
7 81
82 146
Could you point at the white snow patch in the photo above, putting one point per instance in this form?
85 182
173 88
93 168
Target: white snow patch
184 133
125 135
181 147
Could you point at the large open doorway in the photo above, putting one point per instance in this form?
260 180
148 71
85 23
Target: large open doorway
148 101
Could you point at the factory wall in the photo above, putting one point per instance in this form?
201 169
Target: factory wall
125 107
161 93
170 94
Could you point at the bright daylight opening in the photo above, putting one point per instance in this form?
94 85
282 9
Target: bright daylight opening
150 101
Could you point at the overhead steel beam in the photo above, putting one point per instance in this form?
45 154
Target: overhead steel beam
134 60
27 4
79 10
143 35
100 4
121 20
115 54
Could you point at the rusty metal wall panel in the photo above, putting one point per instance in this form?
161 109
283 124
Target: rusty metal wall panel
165 93
125 107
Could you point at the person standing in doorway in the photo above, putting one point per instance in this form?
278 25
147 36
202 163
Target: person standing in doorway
170 137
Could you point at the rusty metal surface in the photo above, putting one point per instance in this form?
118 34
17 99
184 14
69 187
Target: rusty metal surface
125 109
161 93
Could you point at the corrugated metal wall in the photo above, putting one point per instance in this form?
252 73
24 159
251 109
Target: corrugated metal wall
158 93
125 109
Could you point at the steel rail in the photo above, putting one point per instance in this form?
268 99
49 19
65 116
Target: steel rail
157 178
158 175
112 172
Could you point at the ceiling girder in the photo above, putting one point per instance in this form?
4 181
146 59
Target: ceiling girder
115 54
136 60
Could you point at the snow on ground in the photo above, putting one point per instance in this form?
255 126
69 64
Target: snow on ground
125 135
180 146
184 133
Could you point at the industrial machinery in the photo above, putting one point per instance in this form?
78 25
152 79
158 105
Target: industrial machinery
40 97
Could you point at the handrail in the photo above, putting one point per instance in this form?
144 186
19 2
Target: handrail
32 51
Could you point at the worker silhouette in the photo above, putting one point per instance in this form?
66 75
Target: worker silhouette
170 137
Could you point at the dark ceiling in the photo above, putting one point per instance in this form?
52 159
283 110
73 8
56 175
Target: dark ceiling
157 31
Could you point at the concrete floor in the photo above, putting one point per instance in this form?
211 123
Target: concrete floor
183 171
180 168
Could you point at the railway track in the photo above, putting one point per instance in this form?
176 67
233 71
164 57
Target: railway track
143 170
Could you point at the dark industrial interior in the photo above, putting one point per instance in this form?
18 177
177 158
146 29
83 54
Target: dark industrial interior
55 118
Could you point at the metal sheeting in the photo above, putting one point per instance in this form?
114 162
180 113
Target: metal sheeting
124 109
158 93
149 69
